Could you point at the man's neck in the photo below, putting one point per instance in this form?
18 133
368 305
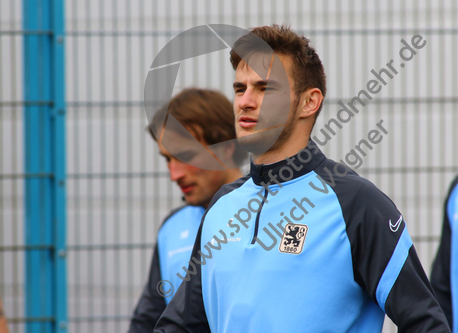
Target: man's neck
233 175
287 149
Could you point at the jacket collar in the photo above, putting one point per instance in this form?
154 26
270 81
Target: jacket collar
305 161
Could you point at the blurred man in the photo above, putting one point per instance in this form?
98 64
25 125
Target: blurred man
3 323
444 277
208 116
318 248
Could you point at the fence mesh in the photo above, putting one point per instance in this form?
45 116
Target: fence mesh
11 165
118 188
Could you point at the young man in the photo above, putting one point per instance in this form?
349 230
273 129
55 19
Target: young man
208 116
444 277
317 248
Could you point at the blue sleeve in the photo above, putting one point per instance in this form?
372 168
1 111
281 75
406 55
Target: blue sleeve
385 262
185 312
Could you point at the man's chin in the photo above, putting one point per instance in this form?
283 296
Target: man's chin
189 199
193 201
259 143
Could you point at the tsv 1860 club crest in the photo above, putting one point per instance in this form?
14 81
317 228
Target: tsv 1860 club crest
293 238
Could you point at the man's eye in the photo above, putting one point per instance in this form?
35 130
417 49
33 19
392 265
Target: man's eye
185 157
239 91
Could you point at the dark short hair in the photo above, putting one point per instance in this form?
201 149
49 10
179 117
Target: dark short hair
207 114
308 71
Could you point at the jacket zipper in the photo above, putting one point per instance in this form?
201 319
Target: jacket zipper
256 225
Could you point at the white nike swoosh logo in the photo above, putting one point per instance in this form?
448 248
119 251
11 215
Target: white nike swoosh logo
395 227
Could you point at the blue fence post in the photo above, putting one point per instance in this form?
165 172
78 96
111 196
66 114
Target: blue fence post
58 89
60 253
44 140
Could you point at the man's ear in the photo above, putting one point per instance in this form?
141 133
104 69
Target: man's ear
310 102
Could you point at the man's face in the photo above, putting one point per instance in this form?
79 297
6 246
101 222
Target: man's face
277 93
198 185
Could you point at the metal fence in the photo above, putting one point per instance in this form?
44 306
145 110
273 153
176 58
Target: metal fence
11 165
117 188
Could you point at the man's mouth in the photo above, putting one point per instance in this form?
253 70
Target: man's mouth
247 122
187 188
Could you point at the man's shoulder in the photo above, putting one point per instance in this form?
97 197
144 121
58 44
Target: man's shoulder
453 186
355 193
181 212
182 219
451 204
341 177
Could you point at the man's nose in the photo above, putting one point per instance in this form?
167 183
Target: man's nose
176 170
248 101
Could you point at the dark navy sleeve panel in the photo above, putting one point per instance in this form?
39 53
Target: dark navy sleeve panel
441 272
151 304
411 304
382 251
185 312
368 214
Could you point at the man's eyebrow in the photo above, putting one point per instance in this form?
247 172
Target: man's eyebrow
238 85
271 82
260 83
